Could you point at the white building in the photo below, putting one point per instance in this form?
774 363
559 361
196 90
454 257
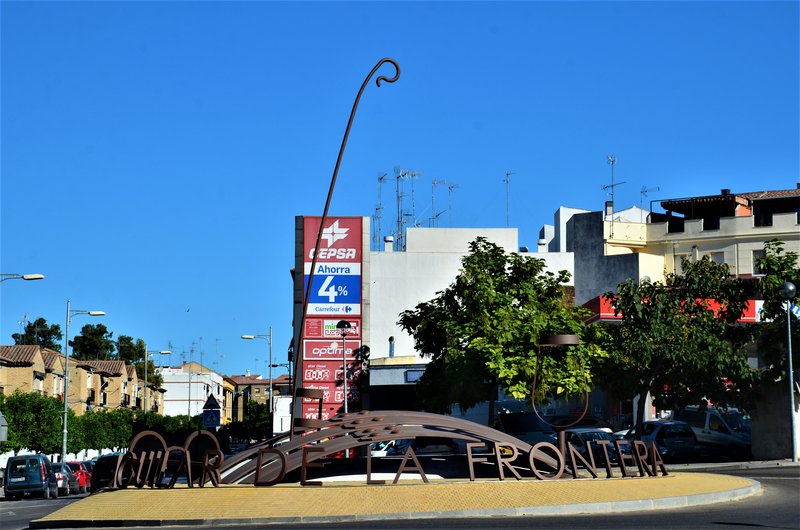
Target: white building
188 387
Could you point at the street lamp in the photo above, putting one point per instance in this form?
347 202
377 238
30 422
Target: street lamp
146 356
28 277
268 338
70 313
344 328
787 290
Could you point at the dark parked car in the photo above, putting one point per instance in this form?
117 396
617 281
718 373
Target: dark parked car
579 437
30 474
103 472
675 440
67 480
526 426
571 422
81 469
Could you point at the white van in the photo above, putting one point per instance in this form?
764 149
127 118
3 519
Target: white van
725 433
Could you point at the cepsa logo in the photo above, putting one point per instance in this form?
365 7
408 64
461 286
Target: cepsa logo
341 239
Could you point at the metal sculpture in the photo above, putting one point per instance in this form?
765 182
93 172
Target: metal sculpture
299 349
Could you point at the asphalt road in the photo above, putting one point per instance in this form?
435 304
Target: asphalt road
15 515
778 506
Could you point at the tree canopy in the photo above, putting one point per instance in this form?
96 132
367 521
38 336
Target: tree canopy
679 340
483 333
777 266
40 333
94 342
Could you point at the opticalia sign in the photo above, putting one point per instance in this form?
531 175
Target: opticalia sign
341 239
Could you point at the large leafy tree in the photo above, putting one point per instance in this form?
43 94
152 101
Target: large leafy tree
40 333
133 352
483 333
34 422
679 340
777 266
95 342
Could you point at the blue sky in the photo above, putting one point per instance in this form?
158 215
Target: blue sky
155 155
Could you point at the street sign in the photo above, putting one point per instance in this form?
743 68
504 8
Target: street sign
212 403
211 418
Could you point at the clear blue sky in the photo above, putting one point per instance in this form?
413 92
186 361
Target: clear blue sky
155 155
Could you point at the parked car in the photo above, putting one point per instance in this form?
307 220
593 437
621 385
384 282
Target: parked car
579 437
526 426
722 434
81 469
571 422
675 440
89 465
67 480
103 472
30 475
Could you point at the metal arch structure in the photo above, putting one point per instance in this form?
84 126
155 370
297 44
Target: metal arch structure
361 429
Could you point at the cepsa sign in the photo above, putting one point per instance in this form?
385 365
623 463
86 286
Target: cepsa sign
341 239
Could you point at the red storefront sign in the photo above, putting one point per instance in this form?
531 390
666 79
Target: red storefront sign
321 372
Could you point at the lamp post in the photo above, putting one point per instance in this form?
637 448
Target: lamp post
27 277
70 313
146 357
787 291
269 339
344 328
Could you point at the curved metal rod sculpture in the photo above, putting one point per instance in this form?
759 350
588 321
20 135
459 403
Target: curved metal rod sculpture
556 340
299 342
346 431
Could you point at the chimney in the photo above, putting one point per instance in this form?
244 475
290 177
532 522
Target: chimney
609 208
388 244
725 191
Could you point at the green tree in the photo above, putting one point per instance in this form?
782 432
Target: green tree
679 340
130 350
94 342
257 420
34 422
484 330
40 333
95 427
777 266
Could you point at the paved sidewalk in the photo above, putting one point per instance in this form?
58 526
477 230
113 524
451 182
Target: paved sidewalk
292 503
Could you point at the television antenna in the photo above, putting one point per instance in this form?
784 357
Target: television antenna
611 160
642 194
508 181
399 175
434 215
379 211
450 188
413 175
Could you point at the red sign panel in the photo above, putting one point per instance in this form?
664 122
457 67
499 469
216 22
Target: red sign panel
325 328
332 393
321 372
341 239
329 350
329 410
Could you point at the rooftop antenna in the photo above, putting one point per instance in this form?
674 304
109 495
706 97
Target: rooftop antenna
22 323
413 175
612 161
508 181
399 175
379 211
450 188
642 194
434 215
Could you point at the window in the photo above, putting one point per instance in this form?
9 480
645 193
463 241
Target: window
258 390
717 257
757 255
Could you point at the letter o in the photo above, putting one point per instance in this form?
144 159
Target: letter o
532 457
